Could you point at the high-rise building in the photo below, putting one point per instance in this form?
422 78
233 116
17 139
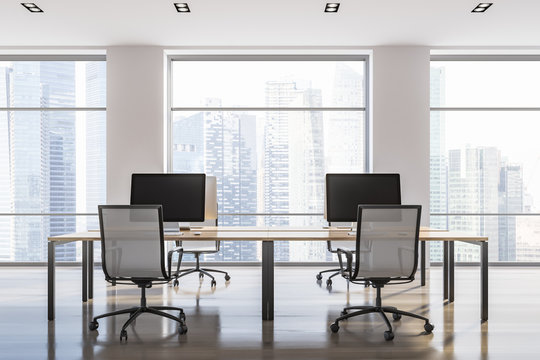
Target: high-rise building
438 176
473 187
293 160
57 82
510 201
343 152
222 144
95 128
41 157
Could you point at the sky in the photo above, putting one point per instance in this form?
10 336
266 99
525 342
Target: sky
242 83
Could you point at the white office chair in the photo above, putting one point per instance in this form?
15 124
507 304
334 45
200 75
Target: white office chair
197 248
204 247
333 246
386 252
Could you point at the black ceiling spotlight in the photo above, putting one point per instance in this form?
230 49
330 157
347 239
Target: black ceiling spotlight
331 7
32 7
482 7
182 7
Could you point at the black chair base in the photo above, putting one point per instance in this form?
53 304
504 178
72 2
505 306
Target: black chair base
336 273
329 280
382 310
134 312
202 272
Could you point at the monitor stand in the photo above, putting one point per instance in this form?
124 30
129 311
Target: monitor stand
171 228
184 226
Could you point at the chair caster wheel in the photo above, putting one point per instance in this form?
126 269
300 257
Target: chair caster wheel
227 277
213 283
176 283
334 327
182 329
388 335
123 335
182 316
396 316
93 325
319 277
201 275
344 312
428 327
328 282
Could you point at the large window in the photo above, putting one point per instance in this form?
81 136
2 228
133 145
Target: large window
485 157
52 152
269 129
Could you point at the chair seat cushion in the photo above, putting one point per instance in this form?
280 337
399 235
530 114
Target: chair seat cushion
196 246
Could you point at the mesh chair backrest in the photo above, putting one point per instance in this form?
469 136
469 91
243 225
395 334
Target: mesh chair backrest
132 241
387 241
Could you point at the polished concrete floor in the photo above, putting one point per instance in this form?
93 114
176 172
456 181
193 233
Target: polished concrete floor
225 323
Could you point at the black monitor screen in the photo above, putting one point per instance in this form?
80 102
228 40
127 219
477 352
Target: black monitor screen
181 195
344 192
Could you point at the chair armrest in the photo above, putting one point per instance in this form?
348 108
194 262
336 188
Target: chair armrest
180 253
347 272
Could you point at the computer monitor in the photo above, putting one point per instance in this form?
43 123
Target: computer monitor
182 196
344 192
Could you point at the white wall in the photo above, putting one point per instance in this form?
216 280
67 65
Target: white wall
400 132
135 116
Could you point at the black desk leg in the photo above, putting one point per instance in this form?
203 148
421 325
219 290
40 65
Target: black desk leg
90 269
268 280
50 279
451 271
422 263
445 270
84 271
484 280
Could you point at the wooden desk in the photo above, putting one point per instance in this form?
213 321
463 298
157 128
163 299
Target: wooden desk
268 236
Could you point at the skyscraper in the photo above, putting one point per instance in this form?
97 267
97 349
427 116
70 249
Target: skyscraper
343 152
95 128
438 176
41 156
222 144
510 201
293 159
473 187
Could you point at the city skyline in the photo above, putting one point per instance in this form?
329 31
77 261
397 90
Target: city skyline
475 177
281 155
39 154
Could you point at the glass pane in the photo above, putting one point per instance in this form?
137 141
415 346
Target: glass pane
283 250
485 83
50 162
511 238
52 83
484 162
268 83
271 162
24 238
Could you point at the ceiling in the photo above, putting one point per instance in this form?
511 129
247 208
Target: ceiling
280 23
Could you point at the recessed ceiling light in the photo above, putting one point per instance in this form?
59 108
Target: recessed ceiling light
32 7
182 7
331 7
482 7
